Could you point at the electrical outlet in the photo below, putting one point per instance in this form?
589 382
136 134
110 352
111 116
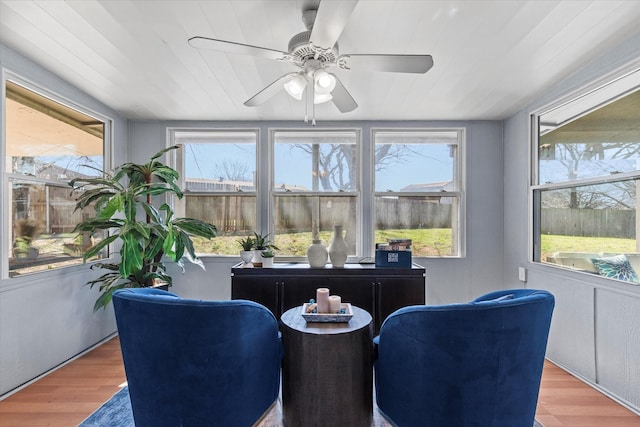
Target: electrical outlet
522 274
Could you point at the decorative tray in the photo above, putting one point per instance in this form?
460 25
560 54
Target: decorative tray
328 317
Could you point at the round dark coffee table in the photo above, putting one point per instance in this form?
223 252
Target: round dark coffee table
327 371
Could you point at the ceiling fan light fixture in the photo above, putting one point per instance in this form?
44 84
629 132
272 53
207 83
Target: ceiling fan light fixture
319 98
324 82
296 85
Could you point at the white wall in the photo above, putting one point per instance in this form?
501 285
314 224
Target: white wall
47 318
594 331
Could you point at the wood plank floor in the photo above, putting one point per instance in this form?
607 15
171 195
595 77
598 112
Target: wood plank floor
67 396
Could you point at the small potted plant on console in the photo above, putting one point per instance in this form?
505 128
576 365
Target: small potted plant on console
246 254
267 258
261 244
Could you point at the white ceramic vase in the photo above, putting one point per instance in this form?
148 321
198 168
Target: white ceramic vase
338 248
267 262
317 254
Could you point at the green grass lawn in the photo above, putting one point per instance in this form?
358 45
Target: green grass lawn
554 243
426 242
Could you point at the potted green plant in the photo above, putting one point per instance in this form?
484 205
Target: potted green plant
27 230
246 254
261 243
267 258
124 205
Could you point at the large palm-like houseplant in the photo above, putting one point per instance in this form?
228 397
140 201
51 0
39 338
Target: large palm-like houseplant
123 204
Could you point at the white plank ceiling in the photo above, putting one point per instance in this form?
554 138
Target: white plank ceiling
491 57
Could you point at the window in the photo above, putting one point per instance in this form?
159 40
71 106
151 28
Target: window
418 189
218 173
47 145
315 186
296 184
587 173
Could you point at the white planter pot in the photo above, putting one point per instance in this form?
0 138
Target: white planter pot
257 258
246 257
267 262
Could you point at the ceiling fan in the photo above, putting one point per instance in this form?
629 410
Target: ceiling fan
313 52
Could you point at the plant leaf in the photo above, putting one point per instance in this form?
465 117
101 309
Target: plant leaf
95 249
196 227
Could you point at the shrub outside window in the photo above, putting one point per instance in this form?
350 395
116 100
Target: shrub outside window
585 192
47 145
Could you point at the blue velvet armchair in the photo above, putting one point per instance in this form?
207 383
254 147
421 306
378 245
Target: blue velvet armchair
197 363
459 365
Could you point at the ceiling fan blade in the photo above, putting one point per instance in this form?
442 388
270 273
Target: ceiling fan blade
331 18
232 47
391 63
269 91
342 98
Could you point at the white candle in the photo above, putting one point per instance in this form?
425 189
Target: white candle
334 303
322 298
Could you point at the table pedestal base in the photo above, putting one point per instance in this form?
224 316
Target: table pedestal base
327 374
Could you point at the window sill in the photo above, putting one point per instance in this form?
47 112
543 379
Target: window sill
586 278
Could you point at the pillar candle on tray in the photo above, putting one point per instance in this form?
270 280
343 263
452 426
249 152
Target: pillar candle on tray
322 298
334 303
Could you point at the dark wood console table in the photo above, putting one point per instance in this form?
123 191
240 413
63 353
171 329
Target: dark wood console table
327 371
379 291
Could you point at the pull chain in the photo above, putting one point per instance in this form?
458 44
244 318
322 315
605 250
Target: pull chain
313 121
306 106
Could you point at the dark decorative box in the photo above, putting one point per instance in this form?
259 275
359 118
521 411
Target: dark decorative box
396 259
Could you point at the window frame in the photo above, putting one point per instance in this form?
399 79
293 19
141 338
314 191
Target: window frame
272 194
458 176
176 160
107 159
365 189
575 104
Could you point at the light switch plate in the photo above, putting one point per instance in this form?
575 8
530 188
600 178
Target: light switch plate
522 274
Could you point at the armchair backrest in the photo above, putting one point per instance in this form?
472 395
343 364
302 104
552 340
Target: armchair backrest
195 363
473 364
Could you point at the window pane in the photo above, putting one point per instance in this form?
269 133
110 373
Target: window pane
48 144
415 161
600 143
218 161
315 161
234 217
42 220
580 223
583 210
430 223
48 140
298 218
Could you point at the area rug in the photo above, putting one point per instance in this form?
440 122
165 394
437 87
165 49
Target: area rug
116 412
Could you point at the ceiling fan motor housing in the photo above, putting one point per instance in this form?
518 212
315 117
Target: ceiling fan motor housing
301 49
